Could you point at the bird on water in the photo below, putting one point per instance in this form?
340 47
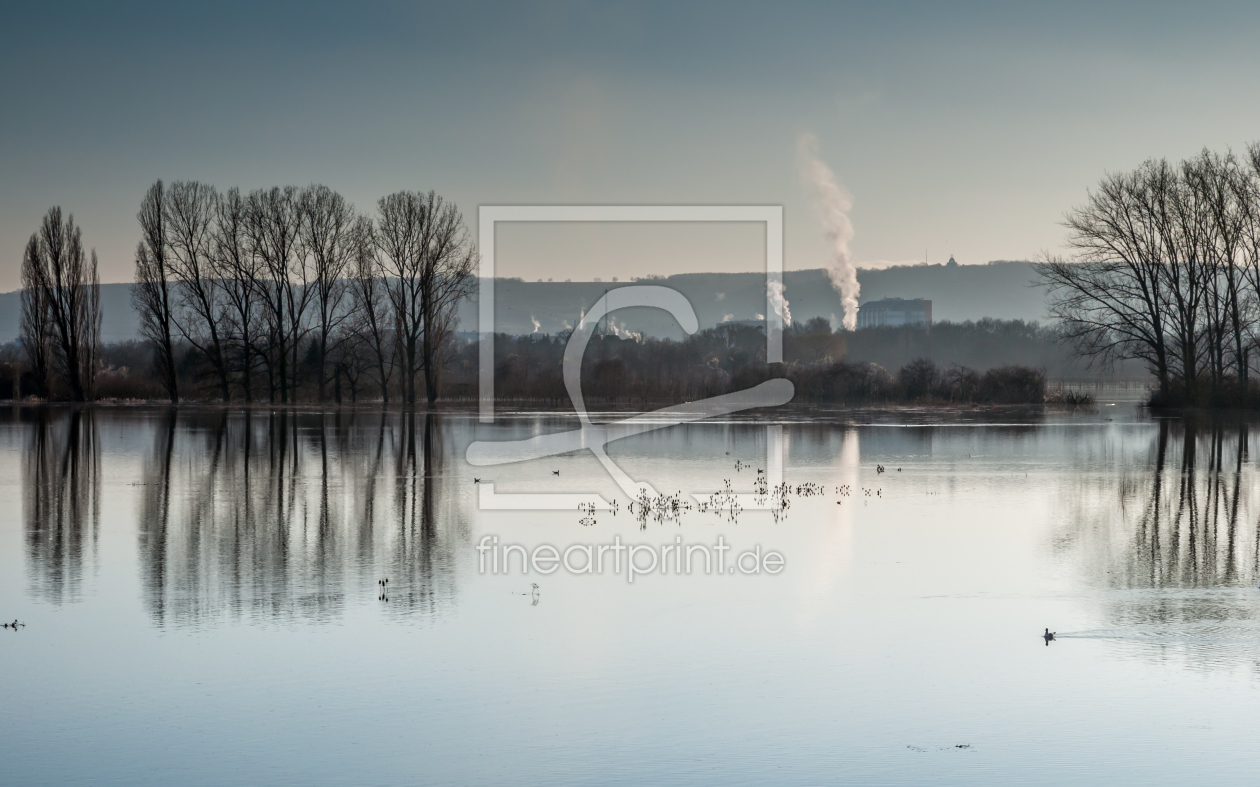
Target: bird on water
1049 635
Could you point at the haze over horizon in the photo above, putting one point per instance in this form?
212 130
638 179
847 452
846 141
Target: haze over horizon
963 130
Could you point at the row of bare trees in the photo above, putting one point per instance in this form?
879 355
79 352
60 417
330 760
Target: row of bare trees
1165 268
61 315
264 285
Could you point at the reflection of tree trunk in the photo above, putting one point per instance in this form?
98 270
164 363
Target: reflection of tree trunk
214 541
327 537
62 489
418 539
1193 536
367 523
1161 456
156 514
1231 543
1185 501
426 513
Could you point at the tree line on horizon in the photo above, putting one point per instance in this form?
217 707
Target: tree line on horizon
1164 268
277 294
252 282
638 372
260 295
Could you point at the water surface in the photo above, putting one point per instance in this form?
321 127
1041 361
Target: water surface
201 600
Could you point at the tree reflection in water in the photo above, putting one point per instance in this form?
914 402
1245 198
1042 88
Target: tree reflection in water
1173 542
284 515
61 486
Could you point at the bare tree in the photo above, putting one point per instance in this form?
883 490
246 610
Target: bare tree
70 290
1248 187
399 238
189 212
237 271
371 317
1166 268
426 256
446 279
1108 299
1214 179
1176 215
151 293
329 240
274 231
36 331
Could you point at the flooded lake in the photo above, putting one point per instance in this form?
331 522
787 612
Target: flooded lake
202 602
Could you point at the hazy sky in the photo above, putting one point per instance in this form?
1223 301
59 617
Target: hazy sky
965 128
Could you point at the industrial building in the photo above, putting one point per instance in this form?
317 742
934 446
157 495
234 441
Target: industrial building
892 312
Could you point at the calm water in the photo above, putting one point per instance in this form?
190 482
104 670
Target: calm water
201 600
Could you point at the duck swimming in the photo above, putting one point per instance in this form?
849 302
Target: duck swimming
1049 635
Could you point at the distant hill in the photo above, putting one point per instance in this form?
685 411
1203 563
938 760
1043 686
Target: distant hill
118 320
958 292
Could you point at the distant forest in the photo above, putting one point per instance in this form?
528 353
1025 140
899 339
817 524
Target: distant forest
971 362
638 372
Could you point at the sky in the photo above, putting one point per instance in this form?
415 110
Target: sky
964 129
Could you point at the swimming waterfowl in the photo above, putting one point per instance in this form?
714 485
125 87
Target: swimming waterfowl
1049 635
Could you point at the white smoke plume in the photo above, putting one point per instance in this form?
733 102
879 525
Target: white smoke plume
622 332
834 203
774 289
537 324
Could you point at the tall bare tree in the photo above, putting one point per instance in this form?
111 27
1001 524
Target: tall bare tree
1108 299
36 328
151 293
274 228
448 257
1214 180
70 289
400 237
330 244
371 322
237 270
426 257
189 212
1166 268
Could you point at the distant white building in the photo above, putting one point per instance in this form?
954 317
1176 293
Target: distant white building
892 312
